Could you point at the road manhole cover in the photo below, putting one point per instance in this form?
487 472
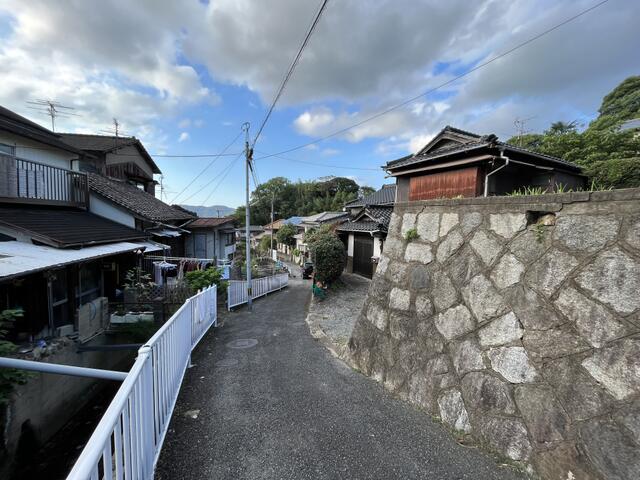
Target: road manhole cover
227 362
243 343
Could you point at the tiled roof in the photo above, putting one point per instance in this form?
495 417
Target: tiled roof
385 196
473 141
139 202
324 217
371 219
208 222
363 226
106 144
381 214
18 125
63 227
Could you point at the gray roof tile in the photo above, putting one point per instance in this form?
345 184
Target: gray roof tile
141 203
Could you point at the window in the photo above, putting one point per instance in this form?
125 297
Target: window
8 149
60 298
90 283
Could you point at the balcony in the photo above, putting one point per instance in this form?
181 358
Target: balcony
25 181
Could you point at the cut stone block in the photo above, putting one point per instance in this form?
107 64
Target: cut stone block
485 246
453 411
501 331
614 279
483 299
513 364
507 224
454 322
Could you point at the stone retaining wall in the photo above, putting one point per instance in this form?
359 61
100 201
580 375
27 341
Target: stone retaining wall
516 320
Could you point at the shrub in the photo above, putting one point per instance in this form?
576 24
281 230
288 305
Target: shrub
617 173
199 279
265 243
328 255
411 235
8 376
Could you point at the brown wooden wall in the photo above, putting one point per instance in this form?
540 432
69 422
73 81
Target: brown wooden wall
466 182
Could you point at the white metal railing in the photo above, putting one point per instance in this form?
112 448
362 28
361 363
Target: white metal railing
237 289
126 443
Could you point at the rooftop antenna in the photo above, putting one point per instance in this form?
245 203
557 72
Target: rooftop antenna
53 109
521 130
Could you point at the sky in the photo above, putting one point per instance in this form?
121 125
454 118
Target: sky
184 76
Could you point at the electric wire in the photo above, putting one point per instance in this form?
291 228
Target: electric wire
295 160
224 175
206 167
444 84
213 179
292 67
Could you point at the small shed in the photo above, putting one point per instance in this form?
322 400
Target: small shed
456 163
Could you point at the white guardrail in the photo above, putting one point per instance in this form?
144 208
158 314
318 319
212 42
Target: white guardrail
237 289
126 443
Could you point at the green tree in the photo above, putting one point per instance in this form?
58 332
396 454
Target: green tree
610 157
200 279
286 234
328 255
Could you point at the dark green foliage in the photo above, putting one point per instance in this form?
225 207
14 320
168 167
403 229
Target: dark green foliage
298 198
285 235
138 332
327 254
608 155
199 279
265 243
8 376
621 104
618 173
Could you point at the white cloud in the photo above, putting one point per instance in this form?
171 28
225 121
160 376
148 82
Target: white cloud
330 152
184 123
184 136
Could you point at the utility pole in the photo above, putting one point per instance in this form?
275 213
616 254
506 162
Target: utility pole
248 152
273 194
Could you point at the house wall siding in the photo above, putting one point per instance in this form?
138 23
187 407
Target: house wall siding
107 209
38 152
516 320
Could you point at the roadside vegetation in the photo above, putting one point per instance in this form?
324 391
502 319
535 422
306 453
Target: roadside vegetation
328 254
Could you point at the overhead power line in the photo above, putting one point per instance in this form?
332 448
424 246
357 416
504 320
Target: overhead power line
213 179
292 67
207 167
444 84
224 174
295 160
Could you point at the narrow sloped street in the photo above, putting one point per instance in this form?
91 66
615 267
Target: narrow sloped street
264 400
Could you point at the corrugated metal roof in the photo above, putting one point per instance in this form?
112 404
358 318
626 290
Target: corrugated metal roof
20 258
65 227
141 203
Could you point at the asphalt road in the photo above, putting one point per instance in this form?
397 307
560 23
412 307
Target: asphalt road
286 409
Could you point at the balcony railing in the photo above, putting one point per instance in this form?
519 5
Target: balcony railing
25 181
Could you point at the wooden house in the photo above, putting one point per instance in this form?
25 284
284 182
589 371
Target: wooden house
456 163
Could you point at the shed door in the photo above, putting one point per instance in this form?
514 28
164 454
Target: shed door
466 182
362 253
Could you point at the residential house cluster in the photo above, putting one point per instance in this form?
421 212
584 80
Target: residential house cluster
76 213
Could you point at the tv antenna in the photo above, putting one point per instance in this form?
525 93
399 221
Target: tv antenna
116 131
53 109
520 124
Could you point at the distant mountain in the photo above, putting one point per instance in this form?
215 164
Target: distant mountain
210 211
